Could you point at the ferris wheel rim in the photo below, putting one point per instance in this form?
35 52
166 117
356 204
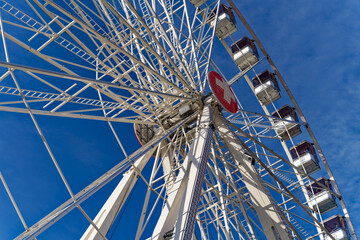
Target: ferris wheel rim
183 91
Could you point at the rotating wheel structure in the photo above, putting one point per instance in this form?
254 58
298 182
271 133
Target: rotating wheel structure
110 130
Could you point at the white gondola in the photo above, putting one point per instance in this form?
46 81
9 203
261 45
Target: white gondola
244 53
226 24
198 3
337 227
339 234
321 200
304 156
289 128
266 87
144 132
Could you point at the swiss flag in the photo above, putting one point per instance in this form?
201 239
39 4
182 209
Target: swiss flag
223 92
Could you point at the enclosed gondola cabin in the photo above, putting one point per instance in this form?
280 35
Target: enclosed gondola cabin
226 24
144 132
289 128
321 200
244 53
304 157
337 227
266 87
198 3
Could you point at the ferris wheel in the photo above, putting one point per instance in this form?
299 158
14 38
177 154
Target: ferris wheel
175 146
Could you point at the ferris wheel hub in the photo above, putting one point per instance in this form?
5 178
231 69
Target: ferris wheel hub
145 132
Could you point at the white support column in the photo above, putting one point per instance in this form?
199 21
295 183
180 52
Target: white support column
108 212
183 199
167 156
221 198
272 224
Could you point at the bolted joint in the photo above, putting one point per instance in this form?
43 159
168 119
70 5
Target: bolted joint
169 234
253 161
205 98
207 125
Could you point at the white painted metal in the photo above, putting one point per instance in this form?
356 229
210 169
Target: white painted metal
69 205
273 225
199 154
109 211
183 199
302 117
147 63
168 165
13 201
198 3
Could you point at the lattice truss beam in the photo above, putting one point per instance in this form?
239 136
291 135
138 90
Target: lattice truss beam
140 63
137 63
225 204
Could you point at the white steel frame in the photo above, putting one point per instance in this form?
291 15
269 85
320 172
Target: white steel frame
139 62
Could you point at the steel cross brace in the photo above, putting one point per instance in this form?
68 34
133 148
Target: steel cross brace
80 197
270 219
179 213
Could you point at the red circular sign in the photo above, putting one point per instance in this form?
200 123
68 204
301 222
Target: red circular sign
223 92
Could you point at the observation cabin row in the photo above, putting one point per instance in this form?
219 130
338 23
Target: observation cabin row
266 89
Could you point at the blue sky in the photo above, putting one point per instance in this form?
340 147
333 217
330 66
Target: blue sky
315 46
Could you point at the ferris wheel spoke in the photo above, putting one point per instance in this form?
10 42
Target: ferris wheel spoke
36 96
169 42
204 37
111 126
294 198
79 10
228 177
108 212
138 36
252 179
45 30
196 36
192 168
207 206
147 63
141 224
218 213
299 172
13 202
161 49
231 214
88 80
29 111
75 116
65 29
29 21
50 152
117 48
69 205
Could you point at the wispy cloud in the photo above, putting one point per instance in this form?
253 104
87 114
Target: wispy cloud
315 45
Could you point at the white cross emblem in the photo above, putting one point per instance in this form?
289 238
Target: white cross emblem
228 95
